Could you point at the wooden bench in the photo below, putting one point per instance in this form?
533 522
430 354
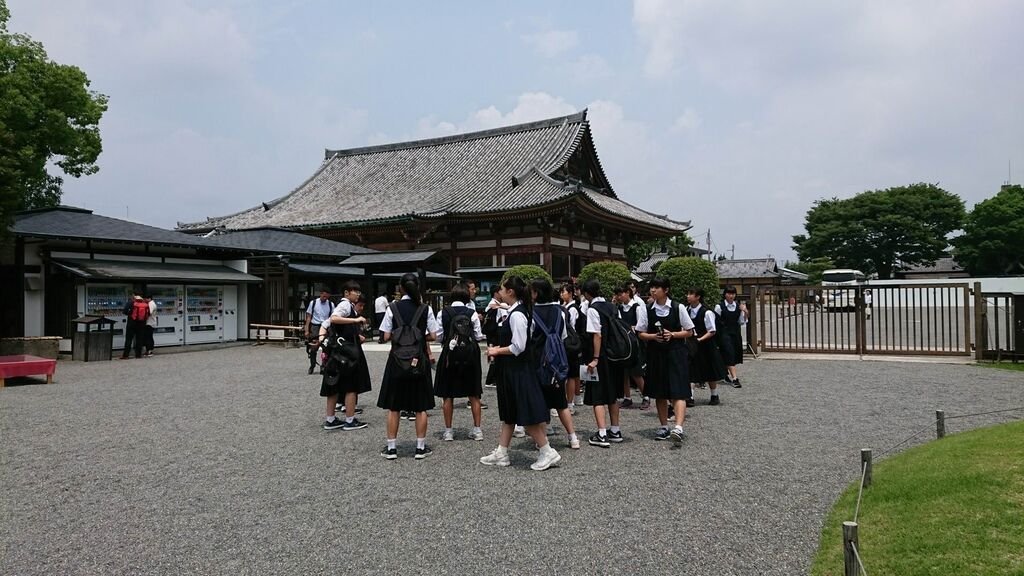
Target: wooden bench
26 365
292 334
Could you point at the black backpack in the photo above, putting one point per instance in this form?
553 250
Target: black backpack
572 342
407 342
619 343
462 347
490 325
342 356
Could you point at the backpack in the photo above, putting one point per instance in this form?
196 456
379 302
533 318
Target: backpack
342 356
490 325
127 308
619 344
407 342
552 363
462 347
572 342
581 332
140 311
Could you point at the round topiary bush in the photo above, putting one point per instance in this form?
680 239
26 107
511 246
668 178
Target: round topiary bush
527 272
690 272
608 274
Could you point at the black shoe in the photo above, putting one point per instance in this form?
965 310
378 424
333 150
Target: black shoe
736 383
341 408
354 425
410 416
614 436
336 424
689 402
714 401
422 453
389 453
662 434
597 440
310 369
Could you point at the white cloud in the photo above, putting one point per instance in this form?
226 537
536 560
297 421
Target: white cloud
551 43
688 121
530 106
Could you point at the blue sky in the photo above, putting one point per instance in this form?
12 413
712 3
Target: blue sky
735 115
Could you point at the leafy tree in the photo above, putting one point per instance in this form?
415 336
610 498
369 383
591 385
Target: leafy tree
993 238
527 272
882 231
689 272
813 268
607 274
640 250
48 116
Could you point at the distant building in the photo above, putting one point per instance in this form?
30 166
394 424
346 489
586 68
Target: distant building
943 268
745 274
646 268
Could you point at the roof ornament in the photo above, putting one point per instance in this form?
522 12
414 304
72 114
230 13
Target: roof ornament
266 206
515 181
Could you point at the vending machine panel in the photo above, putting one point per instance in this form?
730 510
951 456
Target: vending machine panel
204 314
169 316
108 300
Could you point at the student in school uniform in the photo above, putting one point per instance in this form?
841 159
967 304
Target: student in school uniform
600 394
573 391
400 391
551 314
668 379
459 378
493 313
707 366
732 317
380 306
345 322
520 399
634 314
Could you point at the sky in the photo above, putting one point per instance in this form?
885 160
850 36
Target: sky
735 115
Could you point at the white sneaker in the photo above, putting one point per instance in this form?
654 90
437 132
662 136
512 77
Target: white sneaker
496 458
550 431
547 458
574 443
519 432
578 400
478 435
448 436
572 408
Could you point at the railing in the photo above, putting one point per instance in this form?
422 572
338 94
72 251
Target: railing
997 337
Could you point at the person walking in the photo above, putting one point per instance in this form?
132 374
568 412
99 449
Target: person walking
601 393
707 366
547 312
317 311
733 316
668 379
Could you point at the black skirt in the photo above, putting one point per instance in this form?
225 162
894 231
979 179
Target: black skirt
668 372
606 390
707 366
554 396
520 399
401 392
731 345
457 382
357 381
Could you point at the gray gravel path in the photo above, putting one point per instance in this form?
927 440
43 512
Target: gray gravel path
214 463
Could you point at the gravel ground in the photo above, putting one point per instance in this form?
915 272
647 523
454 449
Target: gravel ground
214 462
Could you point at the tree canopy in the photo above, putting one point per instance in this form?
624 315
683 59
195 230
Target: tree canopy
881 231
640 250
608 275
48 117
993 238
689 272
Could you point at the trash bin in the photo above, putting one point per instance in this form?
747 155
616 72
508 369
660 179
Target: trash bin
93 338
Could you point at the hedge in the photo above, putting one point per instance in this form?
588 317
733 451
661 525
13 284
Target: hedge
608 274
527 272
688 272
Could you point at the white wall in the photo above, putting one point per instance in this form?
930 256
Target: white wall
34 302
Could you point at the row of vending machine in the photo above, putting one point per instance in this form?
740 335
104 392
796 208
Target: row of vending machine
184 314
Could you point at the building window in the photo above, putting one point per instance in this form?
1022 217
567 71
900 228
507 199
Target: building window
518 259
485 261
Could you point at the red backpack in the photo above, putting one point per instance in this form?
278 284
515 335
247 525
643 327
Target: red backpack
140 310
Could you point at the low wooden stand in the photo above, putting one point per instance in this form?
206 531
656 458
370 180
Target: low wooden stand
292 334
26 365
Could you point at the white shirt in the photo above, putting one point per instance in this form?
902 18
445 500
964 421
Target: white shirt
151 321
732 308
342 310
662 311
432 327
320 310
593 317
641 314
574 313
709 318
380 304
477 333
519 325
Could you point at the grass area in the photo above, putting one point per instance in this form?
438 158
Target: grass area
952 506
1018 366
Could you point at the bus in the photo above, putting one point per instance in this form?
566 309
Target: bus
844 299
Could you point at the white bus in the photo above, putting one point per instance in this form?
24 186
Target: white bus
840 299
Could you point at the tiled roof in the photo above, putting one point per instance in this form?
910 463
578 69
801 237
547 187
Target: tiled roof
389 258
748 268
81 224
285 242
647 266
476 173
152 271
947 264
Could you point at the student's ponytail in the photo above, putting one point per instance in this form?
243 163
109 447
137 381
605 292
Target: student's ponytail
411 287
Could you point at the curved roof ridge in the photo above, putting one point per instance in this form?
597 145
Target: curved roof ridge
575 118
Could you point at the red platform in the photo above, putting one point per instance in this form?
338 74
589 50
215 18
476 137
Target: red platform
26 365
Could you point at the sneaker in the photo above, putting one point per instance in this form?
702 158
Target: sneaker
550 430
422 453
355 424
338 423
483 405
714 401
310 369
490 385
407 414
689 402
519 432
478 435
701 385
389 453
736 383
615 436
677 436
662 434
574 443
496 459
646 404
448 436
626 403
546 460
341 408
578 400
598 440
572 408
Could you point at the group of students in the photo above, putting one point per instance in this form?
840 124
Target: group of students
546 353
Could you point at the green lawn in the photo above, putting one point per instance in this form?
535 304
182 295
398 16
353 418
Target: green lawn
952 506
1019 366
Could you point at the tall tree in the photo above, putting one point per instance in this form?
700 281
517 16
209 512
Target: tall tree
881 231
48 116
640 250
993 238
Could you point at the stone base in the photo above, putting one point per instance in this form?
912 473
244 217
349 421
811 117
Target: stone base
42 346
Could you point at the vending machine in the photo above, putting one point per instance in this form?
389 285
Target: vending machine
108 300
204 314
169 315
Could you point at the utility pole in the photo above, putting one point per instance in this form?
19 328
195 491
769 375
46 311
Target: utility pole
709 245
732 252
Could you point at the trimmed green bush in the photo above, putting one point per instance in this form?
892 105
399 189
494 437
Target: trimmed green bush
608 274
527 272
687 272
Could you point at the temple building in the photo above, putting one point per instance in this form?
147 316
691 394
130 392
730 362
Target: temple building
480 202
